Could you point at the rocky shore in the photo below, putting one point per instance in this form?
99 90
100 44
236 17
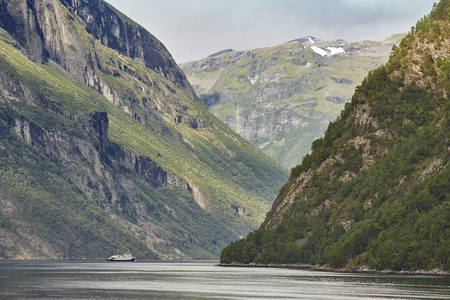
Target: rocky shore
362 269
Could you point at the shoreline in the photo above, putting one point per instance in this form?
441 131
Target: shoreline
360 270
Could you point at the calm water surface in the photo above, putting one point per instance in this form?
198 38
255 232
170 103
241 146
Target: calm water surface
202 280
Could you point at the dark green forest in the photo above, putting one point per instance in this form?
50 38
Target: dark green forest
398 206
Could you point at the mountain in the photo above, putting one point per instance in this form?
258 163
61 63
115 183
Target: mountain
375 191
104 144
221 52
282 98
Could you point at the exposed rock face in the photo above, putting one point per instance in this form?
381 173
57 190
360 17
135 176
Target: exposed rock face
96 149
37 26
294 192
147 170
17 20
40 27
43 29
94 146
282 98
127 37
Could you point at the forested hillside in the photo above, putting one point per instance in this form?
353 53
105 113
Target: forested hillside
374 193
105 146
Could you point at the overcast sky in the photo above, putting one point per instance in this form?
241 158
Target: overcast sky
194 29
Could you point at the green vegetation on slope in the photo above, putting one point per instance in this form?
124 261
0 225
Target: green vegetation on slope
45 198
148 116
389 213
206 228
393 231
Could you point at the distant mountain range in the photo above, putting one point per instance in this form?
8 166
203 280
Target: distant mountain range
282 98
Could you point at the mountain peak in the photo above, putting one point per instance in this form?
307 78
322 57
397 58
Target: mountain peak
306 39
221 52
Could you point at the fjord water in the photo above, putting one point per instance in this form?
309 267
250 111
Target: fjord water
202 280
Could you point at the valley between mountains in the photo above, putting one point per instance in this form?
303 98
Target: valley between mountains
107 145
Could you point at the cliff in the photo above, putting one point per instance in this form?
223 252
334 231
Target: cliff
104 144
374 192
40 27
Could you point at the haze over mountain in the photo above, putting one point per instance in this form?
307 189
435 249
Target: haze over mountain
282 98
104 144
374 194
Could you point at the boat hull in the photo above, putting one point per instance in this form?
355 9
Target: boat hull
126 257
120 260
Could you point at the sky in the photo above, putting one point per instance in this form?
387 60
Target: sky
194 29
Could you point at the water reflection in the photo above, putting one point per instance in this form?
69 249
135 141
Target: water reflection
202 280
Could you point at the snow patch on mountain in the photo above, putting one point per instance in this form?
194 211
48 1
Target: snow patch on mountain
334 50
330 51
319 51
253 80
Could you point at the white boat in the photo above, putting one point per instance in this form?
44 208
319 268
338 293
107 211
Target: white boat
122 258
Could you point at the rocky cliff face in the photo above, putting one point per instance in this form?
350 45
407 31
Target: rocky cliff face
48 32
95 149
120 33
282 98
101 129
41 28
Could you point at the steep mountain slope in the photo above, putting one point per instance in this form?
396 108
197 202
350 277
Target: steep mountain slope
282 98
104 144
375 190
